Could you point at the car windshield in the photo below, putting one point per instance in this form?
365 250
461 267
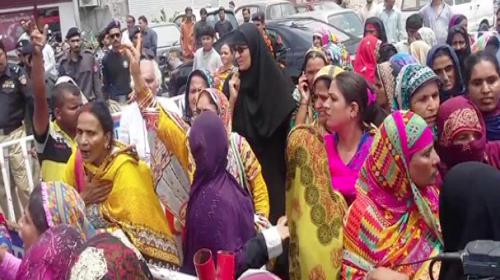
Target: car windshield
282 10
326 6
168 35
348 22
311 25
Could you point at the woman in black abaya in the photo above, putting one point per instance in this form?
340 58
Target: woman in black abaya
263 103
469 210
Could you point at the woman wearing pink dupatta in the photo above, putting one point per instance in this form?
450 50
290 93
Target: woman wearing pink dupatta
349 110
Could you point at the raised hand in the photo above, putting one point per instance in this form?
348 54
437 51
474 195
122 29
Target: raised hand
38 39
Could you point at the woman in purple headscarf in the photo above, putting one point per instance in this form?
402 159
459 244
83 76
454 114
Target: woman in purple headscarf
219 212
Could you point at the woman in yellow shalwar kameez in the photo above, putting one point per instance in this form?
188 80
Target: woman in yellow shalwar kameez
132 204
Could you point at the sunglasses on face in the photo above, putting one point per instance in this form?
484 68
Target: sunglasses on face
240 49
116 35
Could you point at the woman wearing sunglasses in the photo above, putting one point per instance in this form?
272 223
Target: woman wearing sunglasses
262 100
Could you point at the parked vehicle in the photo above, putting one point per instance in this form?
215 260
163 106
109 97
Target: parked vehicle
212 18
478 12
273 9
344 19
316 6
296 35
168 42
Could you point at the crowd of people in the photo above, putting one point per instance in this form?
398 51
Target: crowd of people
365 169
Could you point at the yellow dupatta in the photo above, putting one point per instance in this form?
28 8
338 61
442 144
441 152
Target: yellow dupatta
314 210
132 205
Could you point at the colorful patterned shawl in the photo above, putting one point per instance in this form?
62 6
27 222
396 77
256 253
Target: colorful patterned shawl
385 75
314 209
392 221
63 205
51 257
409 80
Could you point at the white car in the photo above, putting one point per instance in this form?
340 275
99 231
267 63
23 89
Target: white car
478 12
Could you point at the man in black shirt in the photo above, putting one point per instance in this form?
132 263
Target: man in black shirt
223 26
115 67
13 100
198 27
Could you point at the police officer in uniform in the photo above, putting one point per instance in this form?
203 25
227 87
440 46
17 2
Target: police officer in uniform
81 66
13 102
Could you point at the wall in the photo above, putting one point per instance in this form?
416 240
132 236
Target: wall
10 18
94 19
151 8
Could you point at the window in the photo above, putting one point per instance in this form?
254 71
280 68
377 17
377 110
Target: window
313 25
278 11
287 10
274 11
239 12
168 35
326 6
348 22
302 9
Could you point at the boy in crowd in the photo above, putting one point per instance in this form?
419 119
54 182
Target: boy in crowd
206 57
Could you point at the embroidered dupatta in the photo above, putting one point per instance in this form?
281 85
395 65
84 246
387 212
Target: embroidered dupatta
314 209
392 221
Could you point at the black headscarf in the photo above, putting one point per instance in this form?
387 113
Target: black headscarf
385 52
459 88
265 98
462 54
379 25
469 210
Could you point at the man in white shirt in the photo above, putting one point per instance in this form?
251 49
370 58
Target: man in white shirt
132 128
437 15
391 17
413 24
371 9
126 33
